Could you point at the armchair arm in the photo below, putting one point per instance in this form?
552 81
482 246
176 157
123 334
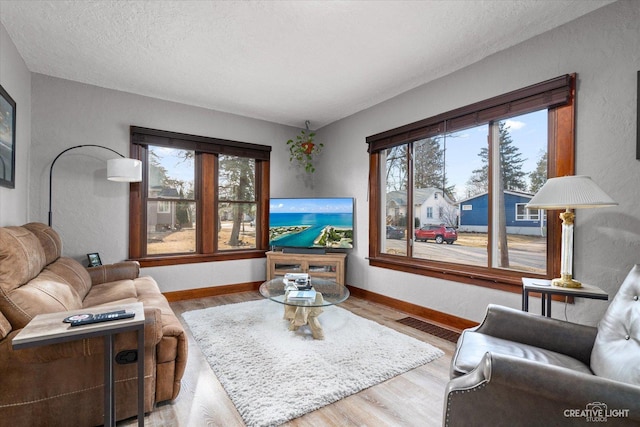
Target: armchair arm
556 335
508 391
112 272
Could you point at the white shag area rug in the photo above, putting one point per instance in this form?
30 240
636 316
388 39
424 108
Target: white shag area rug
273 375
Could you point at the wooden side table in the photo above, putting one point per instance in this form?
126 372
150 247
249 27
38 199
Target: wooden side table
49 328
547 290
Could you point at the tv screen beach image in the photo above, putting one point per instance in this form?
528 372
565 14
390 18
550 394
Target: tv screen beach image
311 223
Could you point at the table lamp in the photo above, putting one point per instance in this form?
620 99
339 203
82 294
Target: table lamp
569 192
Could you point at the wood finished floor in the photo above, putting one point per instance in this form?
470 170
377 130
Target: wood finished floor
411 399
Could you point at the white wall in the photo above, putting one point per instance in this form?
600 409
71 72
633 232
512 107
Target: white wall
603 49
91 213
15 78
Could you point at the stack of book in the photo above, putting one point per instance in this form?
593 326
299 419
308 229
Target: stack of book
309 295
292 277
299 287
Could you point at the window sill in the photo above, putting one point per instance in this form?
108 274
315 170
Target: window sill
466 274
164 260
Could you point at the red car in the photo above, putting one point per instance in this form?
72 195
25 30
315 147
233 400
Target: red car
439 233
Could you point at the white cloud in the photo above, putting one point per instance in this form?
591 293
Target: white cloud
514 124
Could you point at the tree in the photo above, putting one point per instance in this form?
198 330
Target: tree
449 214
429 165
511 164
478 183
511 161
237 187
161 180
184 214
538 177
396 168
511 178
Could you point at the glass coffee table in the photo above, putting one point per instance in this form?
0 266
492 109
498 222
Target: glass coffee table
301 312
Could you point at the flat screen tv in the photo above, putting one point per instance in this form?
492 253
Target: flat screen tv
322 223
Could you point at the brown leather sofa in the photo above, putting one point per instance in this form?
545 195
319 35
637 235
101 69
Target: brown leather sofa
62 384
522 369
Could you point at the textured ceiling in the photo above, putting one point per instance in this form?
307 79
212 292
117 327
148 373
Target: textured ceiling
281 61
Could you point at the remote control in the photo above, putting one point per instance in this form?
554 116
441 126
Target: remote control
104 317
83 316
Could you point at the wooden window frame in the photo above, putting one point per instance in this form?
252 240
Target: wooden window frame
206 165
558 96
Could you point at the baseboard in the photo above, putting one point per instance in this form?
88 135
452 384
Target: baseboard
211 291
443 319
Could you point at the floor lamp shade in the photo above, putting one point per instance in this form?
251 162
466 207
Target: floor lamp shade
120 169
569 192
124 170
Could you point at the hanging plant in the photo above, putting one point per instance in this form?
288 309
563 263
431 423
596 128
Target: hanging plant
303 149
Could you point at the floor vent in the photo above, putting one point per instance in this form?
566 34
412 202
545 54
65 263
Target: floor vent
431 329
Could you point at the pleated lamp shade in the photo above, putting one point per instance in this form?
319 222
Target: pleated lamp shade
124 170
570 192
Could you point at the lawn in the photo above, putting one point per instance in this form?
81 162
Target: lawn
184 241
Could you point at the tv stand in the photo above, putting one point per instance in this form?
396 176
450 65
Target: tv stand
329 266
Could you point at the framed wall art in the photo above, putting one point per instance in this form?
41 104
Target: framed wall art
7 140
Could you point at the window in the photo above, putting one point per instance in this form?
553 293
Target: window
484 161
201 199
237 204
171 205
524 214
164 207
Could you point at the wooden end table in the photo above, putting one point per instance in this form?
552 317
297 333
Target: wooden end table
49 328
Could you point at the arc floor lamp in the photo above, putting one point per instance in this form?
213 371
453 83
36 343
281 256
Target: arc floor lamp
122 169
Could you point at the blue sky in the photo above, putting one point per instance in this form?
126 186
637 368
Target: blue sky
177 167
312 205
528 131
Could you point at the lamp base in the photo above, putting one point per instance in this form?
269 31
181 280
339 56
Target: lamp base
566 281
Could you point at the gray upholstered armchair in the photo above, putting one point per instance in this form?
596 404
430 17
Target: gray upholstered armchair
522 369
